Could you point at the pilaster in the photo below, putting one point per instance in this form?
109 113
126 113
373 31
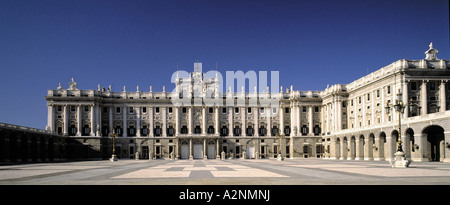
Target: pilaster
124 119
423 98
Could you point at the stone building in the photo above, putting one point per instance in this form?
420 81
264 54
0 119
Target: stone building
344 121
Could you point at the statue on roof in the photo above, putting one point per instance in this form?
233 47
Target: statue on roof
59 86
72 85
430 54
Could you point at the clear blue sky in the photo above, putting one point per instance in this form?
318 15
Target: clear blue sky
311 43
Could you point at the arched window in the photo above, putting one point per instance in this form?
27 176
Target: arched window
304 130
224 131
316 130
72 130
262 131
170 131
131 131
119 131
249 131
86 130
236 131
197 130
210 130
287 131
274 130
144 130
184 129
157 130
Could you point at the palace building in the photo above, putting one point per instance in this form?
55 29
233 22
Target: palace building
342 122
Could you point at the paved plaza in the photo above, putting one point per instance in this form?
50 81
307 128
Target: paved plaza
225 172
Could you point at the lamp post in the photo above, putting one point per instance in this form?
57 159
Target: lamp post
113 157
400 160
279 156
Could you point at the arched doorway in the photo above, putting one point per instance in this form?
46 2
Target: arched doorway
351 148
184 150
435 142
344 149
250 150
337 150
394 143
382 145
360 147
198 150
211 150
408 143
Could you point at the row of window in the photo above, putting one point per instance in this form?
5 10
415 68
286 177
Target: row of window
131 130
183 109
72 108
210 110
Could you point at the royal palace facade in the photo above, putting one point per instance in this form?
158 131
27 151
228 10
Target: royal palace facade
343 122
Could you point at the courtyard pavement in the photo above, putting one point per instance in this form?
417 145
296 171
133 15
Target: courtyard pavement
225 172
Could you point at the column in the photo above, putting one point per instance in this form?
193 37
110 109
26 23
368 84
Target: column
125 126
244 126
256 121
368 148
150 122
372 106
355 121
293 119
442 96
333 150
138 121
204 148
328 117
343 150
291 147
335 117
420 154
358 148
377 154
446 150
339 114
66 120
78 120
177 147
110 112
299 119
98 120
216 113
190 149
383 103
191 125
405 99
50 118
164 121
390 142
281 111
177 121
204 120
92 115
269 121
217 149
363 108
310 120
350 154
230 122
423 98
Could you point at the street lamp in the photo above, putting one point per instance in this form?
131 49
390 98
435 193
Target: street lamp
400 160
113 157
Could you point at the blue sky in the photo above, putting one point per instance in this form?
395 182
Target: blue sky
311 43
